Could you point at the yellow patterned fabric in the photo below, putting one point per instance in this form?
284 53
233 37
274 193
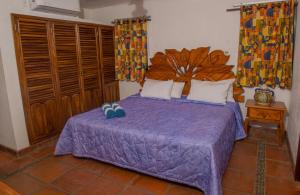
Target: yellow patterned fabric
131 49
266 45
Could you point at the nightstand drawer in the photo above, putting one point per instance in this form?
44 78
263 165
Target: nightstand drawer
264 114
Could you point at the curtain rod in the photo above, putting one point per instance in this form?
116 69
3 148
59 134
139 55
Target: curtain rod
147 18
237 7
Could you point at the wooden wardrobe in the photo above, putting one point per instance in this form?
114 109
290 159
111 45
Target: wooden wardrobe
65 68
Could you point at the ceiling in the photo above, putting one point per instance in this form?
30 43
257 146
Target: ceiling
105 3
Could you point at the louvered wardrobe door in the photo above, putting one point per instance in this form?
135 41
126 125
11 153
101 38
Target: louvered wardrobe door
67 70
36 78
111 86
90 66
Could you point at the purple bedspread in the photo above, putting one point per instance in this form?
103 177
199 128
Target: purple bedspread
176 139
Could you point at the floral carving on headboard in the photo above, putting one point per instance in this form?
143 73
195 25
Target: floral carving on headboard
199 64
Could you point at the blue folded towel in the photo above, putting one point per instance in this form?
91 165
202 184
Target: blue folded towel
108 111
119 111
106 105
113 110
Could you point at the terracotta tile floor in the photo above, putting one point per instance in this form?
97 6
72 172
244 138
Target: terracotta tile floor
39 172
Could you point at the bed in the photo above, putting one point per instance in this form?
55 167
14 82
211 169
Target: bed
180 140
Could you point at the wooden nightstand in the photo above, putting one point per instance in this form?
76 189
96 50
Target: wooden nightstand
275 113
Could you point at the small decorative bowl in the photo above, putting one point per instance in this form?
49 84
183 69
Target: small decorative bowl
263 97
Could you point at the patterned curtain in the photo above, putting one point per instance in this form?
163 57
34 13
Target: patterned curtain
131 49
266 45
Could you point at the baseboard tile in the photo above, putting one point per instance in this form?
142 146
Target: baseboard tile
290 152
8 150
28 149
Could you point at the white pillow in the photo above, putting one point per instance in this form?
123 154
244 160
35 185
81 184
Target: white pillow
157 89
177 89
213 92
230 94
230 89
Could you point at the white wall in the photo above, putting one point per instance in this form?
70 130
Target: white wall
294 117
13 109
7 137
178 24
13 132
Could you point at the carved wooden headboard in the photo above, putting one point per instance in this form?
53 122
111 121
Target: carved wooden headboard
199 64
